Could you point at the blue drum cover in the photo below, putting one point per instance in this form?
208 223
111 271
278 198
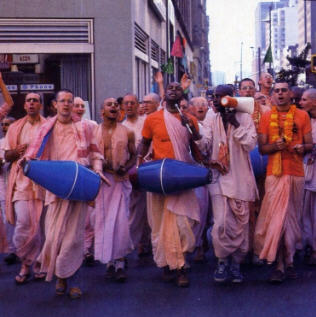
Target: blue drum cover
169 176
259 162
66 179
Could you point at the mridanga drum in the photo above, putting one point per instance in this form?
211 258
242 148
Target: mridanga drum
66 179
170 176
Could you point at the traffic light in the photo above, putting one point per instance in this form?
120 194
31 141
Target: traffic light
313 63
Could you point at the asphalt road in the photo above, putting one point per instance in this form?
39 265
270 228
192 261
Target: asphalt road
145 294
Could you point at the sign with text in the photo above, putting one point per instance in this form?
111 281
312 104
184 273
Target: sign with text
37 87
25 59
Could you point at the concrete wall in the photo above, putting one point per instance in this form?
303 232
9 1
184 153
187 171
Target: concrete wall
113 37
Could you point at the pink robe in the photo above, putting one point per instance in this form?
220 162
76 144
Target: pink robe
26 196
112 234
309 201
232 192
63 250
139 228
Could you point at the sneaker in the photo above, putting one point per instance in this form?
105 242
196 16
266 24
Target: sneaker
120 275
221 273
182 278
276 277
236 275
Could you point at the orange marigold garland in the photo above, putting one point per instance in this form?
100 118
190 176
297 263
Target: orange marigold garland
274 131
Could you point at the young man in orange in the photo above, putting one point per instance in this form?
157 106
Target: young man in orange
284 135
171 216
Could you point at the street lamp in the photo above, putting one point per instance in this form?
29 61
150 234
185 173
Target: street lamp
241 44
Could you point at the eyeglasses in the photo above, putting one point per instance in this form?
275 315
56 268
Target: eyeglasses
247 87
133 103
5 124
110 103
277 90
65 100
32 99
79 105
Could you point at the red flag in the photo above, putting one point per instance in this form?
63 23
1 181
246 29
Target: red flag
177 50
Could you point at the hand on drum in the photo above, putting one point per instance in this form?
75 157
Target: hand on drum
104 178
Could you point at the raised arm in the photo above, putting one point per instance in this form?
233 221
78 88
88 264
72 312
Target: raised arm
6 107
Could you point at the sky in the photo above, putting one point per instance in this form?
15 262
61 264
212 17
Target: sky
232 22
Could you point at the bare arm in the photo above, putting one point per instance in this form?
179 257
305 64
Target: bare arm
15 154
132 151
5 92
159 81
307 145
142 150
266 148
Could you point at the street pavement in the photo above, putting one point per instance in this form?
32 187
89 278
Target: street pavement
145 294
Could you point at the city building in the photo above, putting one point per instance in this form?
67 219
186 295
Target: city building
100 48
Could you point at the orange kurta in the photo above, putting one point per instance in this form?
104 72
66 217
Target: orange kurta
279 219
292 163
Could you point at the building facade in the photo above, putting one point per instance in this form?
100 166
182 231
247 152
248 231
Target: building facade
97 49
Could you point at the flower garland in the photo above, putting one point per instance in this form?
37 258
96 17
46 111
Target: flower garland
274 131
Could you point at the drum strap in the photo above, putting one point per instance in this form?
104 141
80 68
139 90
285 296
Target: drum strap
161 182
74 183
42 147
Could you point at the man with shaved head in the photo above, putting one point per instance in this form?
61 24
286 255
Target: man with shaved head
78 111
139 228
151 103
265 84
117 144
308 103
198 107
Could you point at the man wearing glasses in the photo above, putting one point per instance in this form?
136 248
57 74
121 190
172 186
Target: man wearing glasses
285 136
24 199
11 258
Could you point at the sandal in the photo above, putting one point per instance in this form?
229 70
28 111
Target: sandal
75 292
21 279
39 276
61 286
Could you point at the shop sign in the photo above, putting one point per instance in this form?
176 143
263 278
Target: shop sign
25 59
37 87
12 87
160 8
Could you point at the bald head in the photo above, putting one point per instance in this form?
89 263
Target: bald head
151 103
198 107
308 102
266 80
79 107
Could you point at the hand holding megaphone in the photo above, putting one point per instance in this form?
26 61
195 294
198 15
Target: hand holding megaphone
242 104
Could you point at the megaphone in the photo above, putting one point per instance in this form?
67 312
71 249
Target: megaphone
242 104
